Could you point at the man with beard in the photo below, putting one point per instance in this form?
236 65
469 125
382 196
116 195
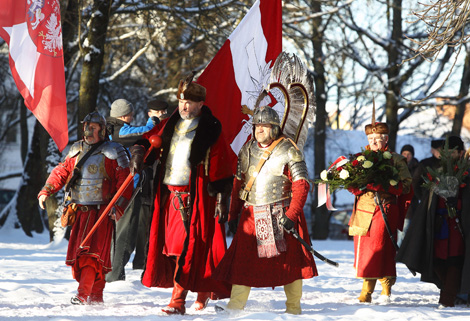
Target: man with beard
269 192
105 168
192 184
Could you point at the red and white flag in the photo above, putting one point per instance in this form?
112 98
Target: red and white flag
240 69
33 32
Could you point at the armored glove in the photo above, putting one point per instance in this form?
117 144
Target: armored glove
286 222
137 159
221 209
233 225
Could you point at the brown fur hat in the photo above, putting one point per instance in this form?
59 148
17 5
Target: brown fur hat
189 90
376 127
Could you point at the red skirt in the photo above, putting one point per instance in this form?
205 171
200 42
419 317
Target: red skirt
242 266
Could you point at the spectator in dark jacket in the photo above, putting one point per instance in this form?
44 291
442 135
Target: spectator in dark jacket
131 230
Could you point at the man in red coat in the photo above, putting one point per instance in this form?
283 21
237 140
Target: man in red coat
104 170
270 190
374 252
193 182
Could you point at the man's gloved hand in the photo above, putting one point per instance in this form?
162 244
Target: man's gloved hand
233 225
286 222
221 209
137 159
155 120
452 202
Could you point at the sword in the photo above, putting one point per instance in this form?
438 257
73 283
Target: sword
378 201
296 235
183 209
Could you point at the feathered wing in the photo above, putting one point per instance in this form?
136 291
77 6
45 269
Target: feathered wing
292 85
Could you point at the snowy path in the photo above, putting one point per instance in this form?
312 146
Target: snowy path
36 285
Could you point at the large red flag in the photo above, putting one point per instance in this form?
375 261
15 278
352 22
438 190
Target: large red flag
238 72
33 32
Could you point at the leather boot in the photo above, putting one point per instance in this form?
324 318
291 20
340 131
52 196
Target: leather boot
178 300
387 285
238 297
201 301
293 294
367 290
450 286
96 296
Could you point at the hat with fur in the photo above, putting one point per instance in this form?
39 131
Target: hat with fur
189 90
376 127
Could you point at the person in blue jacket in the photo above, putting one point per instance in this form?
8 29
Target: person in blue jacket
134 222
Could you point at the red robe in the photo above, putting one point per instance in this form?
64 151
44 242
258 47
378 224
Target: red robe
99 244
241 264
374 252
205 244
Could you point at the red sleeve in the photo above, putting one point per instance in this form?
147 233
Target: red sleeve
236 203
300 190
58 177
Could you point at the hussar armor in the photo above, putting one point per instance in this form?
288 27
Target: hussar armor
271 184
88 188
177 168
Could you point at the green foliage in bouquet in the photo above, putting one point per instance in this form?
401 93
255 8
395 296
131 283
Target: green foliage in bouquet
368 167
450 167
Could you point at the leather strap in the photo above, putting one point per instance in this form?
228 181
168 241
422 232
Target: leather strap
261 162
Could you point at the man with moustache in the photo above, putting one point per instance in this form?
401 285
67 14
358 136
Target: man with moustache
104 170
193 182
269 192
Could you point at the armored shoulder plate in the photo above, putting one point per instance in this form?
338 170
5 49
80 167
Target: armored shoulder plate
113 150
244 159
76 148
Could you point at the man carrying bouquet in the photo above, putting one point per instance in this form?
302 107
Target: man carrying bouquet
437 243
377 205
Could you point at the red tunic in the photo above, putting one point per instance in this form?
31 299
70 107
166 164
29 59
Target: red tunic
374 252
100 243
241 264
448 240
205 245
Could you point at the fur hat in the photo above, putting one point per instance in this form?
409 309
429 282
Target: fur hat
157 105
376 127
121 107
189 90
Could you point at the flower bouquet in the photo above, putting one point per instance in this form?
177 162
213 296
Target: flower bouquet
366 170
448 178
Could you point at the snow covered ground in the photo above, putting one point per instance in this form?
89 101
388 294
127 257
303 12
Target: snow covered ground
35 284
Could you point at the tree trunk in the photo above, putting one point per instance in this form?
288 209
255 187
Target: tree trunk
33 178
93 54
464 85
320 226
393 72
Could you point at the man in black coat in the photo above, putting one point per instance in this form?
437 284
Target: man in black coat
434 245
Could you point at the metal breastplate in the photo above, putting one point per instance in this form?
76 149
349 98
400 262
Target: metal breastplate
87 189
177 167
270 185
